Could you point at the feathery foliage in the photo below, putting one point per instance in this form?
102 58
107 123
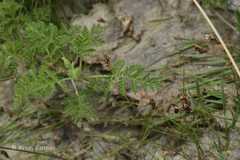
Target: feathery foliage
132 76
78 108
83 41
47 52
40 39
125 78
35 85
54 59
49 43
10 19
7 65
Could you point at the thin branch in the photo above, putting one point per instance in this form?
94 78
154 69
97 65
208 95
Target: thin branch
235 66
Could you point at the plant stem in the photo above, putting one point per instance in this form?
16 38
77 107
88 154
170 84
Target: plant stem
75 87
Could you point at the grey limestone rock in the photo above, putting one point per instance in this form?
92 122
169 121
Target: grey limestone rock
234 4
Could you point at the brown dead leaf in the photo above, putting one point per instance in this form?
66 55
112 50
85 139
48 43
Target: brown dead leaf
200 49
128 28
104 60
127 24
143 97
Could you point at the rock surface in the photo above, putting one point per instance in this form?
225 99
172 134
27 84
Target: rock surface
155 34
234 4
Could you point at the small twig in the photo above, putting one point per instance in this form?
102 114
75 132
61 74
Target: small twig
235 66
32 152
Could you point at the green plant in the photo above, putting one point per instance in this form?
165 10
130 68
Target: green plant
84 40
34 85
125 78
48 52
78 108
10 19
58 87
215 3
7 65
133 76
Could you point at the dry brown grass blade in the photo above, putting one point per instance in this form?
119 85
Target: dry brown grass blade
235 66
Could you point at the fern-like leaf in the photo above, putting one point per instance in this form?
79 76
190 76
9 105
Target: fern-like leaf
35 85
125 77
78 107
84 40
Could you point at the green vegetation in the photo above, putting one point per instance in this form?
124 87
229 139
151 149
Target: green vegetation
215 3
238 20
56 85
43 49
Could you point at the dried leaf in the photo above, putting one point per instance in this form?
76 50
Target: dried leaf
103 60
